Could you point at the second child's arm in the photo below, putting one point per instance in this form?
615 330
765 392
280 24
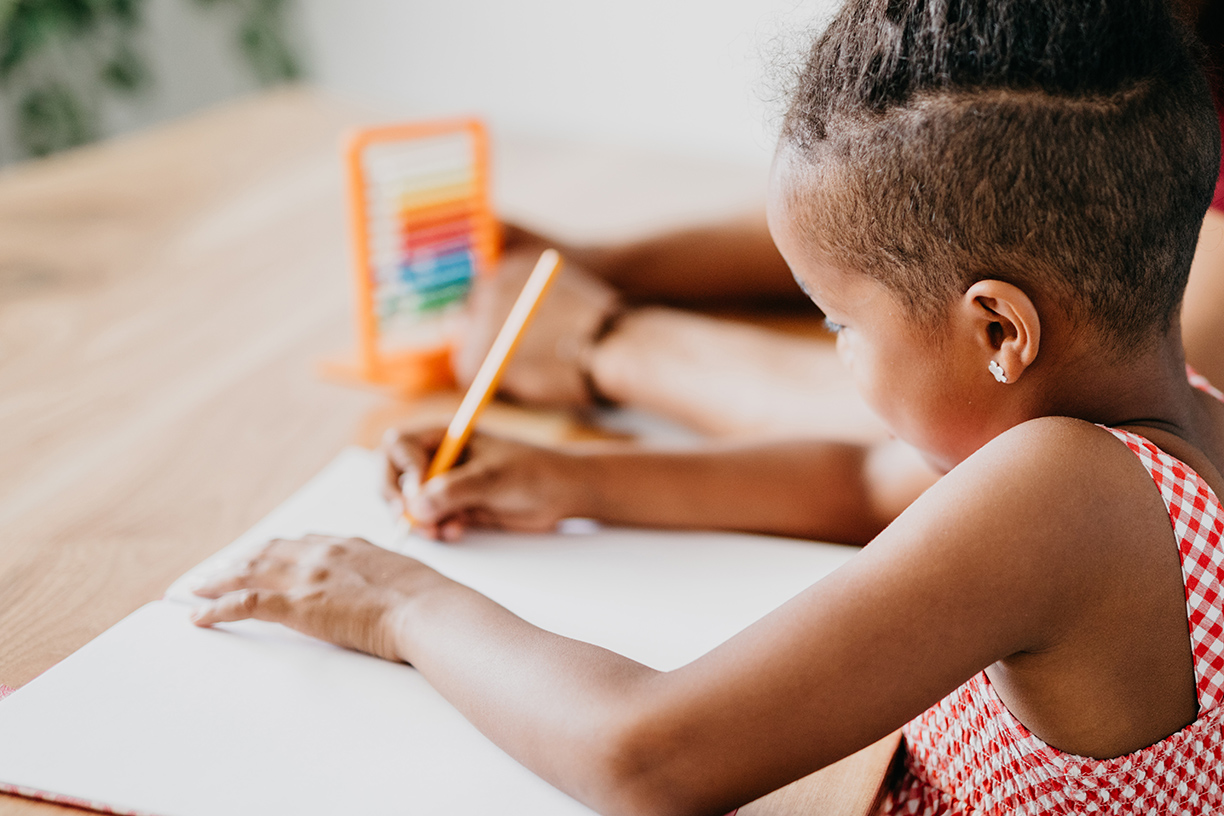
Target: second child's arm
720 376
727 378
807 488
729 262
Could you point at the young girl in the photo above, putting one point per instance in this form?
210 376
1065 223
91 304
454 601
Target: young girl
996 204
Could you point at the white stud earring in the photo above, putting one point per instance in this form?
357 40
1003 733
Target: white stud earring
997 371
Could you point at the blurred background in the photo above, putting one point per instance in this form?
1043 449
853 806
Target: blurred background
702 77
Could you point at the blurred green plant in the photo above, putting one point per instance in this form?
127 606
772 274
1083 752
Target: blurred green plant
60 59
261 36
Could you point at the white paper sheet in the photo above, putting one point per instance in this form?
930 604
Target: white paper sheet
158 716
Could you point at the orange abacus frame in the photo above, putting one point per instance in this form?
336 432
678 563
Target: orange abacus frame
415 370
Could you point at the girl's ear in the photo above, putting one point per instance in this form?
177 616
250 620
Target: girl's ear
1005 322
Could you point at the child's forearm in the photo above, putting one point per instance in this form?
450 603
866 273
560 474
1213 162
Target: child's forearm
730 262
805 488
599 726
723 377
811 489
569 711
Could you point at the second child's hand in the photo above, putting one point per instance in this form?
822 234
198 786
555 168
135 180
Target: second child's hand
549 366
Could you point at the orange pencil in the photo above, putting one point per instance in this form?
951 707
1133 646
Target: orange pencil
490 373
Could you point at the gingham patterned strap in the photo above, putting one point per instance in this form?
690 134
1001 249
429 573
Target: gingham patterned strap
1198 524
1200 382
70 801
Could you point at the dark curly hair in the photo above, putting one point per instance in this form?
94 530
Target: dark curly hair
1067 146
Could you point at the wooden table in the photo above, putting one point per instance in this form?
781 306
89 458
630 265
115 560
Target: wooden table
164 302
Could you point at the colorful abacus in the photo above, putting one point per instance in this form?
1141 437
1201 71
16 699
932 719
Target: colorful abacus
422 230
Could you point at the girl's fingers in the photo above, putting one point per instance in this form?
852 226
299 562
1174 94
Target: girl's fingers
434 502
406 456
412 450
269 568
262 604
450 530
220 585
230 581
395 460
454 492
395 448
390 488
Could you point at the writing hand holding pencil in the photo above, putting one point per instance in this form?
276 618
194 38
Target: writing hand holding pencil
483 386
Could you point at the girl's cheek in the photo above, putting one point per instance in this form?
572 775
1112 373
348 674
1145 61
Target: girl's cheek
860 369
844 352
866 373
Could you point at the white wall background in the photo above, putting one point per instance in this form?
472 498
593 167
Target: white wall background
692 76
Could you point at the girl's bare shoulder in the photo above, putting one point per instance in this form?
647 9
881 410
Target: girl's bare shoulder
1035 518
1037 544
1055 481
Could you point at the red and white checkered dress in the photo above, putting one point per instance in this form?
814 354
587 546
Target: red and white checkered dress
969 755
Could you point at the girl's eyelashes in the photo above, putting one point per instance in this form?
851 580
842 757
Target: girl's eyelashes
831 327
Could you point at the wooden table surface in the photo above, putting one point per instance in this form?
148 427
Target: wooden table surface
164 302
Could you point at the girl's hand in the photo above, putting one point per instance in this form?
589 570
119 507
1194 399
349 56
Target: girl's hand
345 591
498 483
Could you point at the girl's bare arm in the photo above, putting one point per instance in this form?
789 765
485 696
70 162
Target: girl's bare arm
1004 558
828 491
